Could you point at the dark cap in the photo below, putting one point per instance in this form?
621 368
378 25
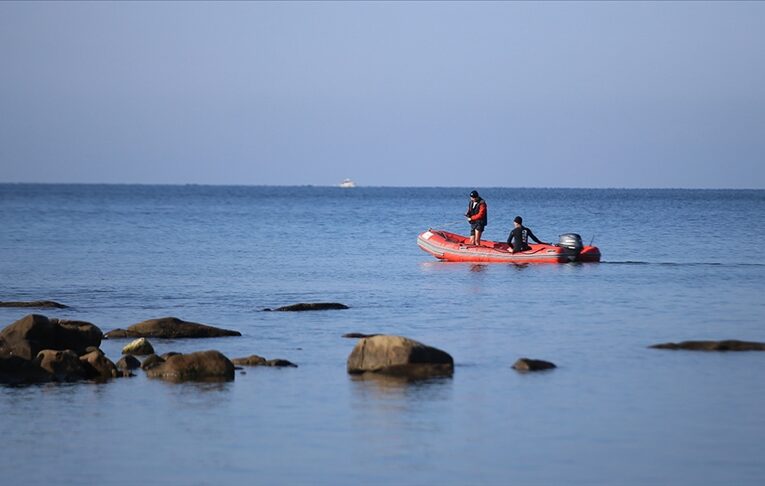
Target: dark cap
518 220
473 193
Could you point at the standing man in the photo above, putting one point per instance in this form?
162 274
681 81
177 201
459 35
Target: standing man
477 216
518 240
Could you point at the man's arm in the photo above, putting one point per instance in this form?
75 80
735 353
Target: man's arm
531 235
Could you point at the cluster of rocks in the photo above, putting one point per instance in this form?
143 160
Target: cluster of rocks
36 349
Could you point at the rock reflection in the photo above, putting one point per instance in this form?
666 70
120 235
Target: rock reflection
379 384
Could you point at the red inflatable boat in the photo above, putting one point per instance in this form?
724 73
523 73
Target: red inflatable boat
455 248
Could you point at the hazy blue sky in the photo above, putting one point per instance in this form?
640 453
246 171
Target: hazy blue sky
453 94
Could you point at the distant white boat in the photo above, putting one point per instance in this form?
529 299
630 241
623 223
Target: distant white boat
347 183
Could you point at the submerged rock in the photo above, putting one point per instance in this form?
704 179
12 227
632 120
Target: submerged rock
256 360
397 355
253 360
151 361
40 304
99 366
119 334
139 347
311 307
526 364
172 327
352 335
727 345
128 362
199 366
15 370
281 363
63 365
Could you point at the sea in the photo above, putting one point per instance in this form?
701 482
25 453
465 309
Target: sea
677 265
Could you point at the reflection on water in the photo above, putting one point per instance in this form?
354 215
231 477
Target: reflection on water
377 385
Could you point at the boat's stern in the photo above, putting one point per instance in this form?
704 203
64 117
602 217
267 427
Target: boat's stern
589 254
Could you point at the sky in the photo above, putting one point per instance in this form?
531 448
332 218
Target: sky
494 94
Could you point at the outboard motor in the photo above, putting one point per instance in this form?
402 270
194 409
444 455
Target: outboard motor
571 241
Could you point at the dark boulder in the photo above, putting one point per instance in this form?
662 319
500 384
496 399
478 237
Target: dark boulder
396 355
15 370
256 360
199 366
40 304
281 363
27 336
311 307
120 334
353 335
253 360
63 365
139 347
76 335
727 345
128 362
172 327
98 366
151 361
526 364
33 333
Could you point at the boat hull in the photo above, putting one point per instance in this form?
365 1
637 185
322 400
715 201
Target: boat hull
455 248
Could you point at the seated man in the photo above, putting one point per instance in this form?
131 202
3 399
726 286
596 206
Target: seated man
518 240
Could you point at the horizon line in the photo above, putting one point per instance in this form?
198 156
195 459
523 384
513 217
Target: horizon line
186 184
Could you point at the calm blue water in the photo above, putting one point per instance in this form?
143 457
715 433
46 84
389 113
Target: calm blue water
678 265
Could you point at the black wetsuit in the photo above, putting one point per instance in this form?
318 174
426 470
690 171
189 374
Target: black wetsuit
518 239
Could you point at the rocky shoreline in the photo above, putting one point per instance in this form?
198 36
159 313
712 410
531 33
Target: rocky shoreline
38 349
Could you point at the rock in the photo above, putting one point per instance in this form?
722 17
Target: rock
199 366
311 307
253 360
23 349
27 336
76 335
352 335
41 304
526 364
727 345
63 365
119 334
140 347
33 333
256 360
128 362
280 363
398 355
172 327
151 361
15 370
99 366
